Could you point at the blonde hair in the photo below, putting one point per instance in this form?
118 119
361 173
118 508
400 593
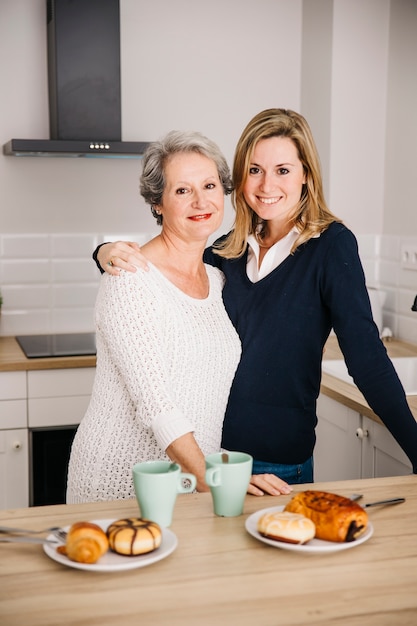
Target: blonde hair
311 215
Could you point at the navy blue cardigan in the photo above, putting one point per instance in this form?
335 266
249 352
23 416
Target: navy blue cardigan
283 322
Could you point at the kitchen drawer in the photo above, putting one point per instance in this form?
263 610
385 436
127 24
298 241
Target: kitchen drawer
13 414
13 400
58 383
64 411
12 385
59 397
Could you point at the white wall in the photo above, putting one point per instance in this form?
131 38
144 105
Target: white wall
185 64
358 112
316 76
348 65
400 203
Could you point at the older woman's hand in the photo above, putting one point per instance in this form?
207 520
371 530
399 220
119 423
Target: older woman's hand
269 484
121 255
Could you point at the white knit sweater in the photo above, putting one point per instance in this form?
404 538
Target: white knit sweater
165 363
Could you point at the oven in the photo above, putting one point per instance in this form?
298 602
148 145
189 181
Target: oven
49 452
57 401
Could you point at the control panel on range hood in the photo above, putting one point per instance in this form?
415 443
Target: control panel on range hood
83 43
66 148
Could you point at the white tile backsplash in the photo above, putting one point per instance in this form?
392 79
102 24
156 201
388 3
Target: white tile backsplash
370 267
72 246
74 270
407 279
49 282
25 246
74 296
390 248
407 329
388 272
369 246
405 299
27 296
401 287
25 322
24 272
78 320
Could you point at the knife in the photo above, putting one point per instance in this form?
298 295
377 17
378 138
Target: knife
17 539
382 502
357 496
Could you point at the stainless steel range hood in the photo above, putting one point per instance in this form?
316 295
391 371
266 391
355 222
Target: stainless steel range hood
84 84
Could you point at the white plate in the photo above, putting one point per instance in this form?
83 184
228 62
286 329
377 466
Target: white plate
315 546
112 562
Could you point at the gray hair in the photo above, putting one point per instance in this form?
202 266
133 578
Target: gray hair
152 180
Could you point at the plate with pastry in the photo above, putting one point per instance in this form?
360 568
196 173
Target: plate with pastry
312 522
110 545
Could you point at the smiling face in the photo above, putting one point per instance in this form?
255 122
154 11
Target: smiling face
193 198
276 176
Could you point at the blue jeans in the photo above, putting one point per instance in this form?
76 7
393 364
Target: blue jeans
292 474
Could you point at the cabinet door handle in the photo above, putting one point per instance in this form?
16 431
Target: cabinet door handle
362 433
17 445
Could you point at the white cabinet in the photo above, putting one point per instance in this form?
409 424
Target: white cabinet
58 397
57 402
381 454
14 450
337 455
350 445
29 401
14 469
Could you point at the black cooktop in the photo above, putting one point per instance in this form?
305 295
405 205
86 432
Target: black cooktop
70 344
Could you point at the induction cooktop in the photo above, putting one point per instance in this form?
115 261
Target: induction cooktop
69 344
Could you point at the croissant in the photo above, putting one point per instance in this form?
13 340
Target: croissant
336 518
86 543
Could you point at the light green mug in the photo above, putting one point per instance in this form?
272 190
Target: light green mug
228 476
157 484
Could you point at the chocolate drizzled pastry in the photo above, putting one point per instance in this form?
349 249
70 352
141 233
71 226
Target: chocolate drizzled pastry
336 518
133 536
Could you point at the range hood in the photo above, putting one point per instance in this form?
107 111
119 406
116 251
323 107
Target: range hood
83 43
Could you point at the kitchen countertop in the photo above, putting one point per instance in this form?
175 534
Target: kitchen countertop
349 395
12 358
219 575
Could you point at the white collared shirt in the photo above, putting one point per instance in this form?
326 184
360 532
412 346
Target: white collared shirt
273 257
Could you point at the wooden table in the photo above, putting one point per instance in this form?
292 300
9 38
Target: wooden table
219 574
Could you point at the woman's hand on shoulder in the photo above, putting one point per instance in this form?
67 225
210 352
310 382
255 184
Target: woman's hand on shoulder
121 255
268 484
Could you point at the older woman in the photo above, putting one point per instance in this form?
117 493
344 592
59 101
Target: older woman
166 349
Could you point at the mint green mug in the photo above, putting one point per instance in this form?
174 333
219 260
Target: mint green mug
228 476
157 484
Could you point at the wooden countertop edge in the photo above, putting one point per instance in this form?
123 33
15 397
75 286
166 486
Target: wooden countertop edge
349 395
49 364
13 359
